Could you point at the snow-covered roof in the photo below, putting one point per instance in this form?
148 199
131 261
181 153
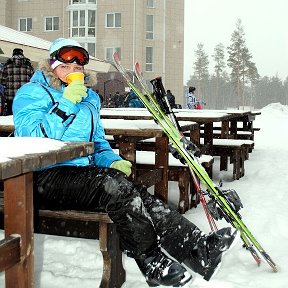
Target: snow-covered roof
17 37
34 48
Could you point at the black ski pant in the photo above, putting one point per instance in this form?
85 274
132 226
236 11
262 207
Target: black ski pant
143 222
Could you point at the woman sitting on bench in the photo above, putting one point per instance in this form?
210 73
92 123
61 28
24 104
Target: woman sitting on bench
56 104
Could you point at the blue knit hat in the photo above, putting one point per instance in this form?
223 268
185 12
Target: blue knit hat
62 42
56 45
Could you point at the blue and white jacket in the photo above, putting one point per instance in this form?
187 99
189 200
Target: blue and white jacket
39 110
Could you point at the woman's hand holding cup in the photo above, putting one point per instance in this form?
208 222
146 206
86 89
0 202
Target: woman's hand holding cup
76 89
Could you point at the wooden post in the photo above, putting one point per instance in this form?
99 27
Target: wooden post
161 161
18 213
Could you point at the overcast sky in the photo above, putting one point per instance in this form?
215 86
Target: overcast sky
265 25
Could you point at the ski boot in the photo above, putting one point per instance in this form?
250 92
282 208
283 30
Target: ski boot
206 255
159 269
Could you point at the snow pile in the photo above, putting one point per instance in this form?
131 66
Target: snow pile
77 263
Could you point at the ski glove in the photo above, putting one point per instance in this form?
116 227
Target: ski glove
123 166
75 91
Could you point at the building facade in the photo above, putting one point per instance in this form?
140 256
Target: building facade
150 32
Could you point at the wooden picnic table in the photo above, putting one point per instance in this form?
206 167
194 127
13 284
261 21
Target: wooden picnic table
228 119
245 117
208 119
19 157
202 118
127 133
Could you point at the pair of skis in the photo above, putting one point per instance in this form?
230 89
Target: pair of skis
221 202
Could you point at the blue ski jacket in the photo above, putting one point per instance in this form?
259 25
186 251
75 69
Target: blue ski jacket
39 110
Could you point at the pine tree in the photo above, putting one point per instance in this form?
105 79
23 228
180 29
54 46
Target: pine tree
244 71
219 66
285 85
201 67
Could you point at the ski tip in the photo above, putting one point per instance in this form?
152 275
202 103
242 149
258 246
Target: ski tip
116 56
137 66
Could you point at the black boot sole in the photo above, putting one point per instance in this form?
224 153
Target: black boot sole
186 279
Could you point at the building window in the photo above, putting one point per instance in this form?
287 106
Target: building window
113 20
78 1
150 3
91 23
83 23
149 58
149 27
25 24
78 23
82 1
110 51
91 48
51 23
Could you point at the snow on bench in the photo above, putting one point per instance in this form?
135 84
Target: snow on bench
148 158
229 142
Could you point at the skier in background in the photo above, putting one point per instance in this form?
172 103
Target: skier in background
191 98
192 101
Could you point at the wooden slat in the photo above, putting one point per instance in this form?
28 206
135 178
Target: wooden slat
76 215
151 177
9 252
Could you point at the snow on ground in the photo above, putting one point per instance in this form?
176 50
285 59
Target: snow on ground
77 263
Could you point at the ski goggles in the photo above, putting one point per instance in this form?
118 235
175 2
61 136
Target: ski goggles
70 54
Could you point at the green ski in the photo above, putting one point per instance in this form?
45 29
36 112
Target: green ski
223 204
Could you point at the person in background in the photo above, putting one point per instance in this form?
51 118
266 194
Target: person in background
99 94
110 102
171 98
191 98
2 95
16 72
134 101
2 101
149 230
118 99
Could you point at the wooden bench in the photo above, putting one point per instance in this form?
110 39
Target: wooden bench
88 225
237 150
244 132
176 172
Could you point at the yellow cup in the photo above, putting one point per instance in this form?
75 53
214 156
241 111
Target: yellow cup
74 76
